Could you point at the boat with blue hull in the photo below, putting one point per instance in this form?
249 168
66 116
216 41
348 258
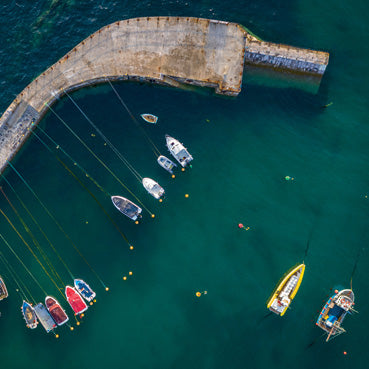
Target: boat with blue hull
84 290
44 317
334 312
29 315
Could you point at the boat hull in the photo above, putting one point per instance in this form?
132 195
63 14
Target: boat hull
29 315
153 188
75 300
127 207
286 290
150 118
44 317
84 290
3 290
56 311
178 151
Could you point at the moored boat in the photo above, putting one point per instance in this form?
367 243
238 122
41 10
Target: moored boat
286 290
84 289
127 207
3 290
29 315
149 118
55 310
166 163
334 312
44 317
153 188
75 300
179 152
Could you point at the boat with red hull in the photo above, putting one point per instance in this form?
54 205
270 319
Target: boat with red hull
55 310
75 300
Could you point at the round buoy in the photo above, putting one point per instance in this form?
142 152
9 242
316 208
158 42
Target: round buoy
86 222
130 273
124 278
91 303
131 247
152 215
71 328
82 315
136 222
247 228
186 195
198 294
78 323
160 200
173 176
335 291
106 288
183 169
56 336
344 352
240 225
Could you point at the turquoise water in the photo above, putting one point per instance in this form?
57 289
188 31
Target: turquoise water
243 148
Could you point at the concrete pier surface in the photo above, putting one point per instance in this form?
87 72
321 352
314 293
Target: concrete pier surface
166 50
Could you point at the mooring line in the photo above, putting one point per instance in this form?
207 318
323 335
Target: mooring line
113 148
98 159
58 224
148 139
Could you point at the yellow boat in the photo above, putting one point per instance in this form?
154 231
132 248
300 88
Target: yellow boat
286 290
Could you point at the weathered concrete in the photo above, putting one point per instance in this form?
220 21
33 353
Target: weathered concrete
166 50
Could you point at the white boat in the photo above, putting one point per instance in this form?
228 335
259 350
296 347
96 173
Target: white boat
153 188
149 118
127 207
166 163
179 152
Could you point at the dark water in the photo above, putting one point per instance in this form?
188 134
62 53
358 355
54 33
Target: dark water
243 148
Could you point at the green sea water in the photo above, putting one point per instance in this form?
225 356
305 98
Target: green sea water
243 148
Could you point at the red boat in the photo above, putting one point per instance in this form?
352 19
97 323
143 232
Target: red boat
56 311
75 300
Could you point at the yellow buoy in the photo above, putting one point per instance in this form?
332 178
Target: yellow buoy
198 294
56 336
86 222
136 222
130 273
91 303
78 323
152 215
71 328
183 169
173 176
95 300
82 315
131 247
124 278
160 200
186 195
106 288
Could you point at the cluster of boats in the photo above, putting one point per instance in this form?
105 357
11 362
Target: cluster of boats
178 151
52 315
333 313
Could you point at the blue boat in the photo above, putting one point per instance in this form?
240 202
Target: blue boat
334 312
44 317
29 315
84 289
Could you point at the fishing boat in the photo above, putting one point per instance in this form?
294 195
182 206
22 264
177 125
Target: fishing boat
334 312
3 290
166 163
29 315
286 290
153 188
55 310
179 152
84 289
75 300
149 118
127 207
44 317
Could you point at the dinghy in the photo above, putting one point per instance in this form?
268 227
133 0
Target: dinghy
3 290
166 163
55 310
75 300
149 118
286 290
44 317
153 188
178 151
29 315
334 312
127 207
84 289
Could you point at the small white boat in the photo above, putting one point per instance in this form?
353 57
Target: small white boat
153 188
179 152
166 163
127 207
149 118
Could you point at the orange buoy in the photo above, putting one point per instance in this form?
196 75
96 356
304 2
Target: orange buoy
198 294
